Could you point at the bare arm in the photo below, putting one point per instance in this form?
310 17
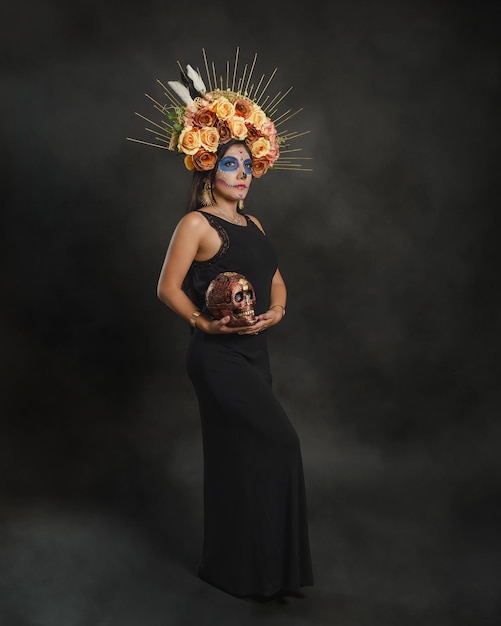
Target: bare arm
183 248
278 299
191 238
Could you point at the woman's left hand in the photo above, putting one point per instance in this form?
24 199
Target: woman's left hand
264 321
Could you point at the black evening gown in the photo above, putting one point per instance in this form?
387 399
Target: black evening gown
255 518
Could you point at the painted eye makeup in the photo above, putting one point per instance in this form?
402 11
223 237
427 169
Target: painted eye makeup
228 164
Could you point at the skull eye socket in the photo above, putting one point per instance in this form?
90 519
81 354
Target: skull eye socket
240 295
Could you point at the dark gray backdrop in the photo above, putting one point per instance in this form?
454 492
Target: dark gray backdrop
386 361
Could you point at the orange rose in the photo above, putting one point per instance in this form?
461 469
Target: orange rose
204 160
204 117
189 141
209 138
224 132
242 108
259 167
252 134
237 127
260 147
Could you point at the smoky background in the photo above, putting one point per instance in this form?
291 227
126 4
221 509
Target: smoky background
387 361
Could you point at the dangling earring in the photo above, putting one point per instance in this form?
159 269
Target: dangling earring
206 195
240 205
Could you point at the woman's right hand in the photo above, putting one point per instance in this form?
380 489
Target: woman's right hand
215 327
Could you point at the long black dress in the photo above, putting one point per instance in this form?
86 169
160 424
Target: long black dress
255 519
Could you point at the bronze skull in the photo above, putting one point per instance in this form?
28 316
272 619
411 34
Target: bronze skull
230 293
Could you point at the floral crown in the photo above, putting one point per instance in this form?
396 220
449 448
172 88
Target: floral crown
197 120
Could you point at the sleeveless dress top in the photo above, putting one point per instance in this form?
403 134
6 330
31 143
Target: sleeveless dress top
244 249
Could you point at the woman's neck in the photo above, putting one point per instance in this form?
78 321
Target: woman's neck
226 206
228 211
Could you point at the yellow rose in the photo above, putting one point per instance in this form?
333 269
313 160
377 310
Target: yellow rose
209 138
189 141
188 162
237 127
223 108
257 117
260 148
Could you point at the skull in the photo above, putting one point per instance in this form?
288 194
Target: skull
231 294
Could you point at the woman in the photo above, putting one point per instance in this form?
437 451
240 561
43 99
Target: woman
255 520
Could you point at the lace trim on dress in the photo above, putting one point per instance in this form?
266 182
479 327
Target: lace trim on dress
223 235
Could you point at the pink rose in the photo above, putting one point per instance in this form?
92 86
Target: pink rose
268 129
273 154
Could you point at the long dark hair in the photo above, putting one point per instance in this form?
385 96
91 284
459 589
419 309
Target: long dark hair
199 178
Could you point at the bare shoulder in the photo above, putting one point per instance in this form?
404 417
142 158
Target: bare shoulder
193 221
256 221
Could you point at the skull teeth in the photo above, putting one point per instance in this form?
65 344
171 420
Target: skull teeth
245 313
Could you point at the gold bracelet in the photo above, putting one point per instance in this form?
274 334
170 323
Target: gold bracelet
282 307
194 316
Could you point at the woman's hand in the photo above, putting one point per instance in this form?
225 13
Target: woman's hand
215 327
220 327
264 321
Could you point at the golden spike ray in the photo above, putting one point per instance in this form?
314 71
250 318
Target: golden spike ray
207 70
235 69
266 86
250 72
275 104
146 119
147 143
